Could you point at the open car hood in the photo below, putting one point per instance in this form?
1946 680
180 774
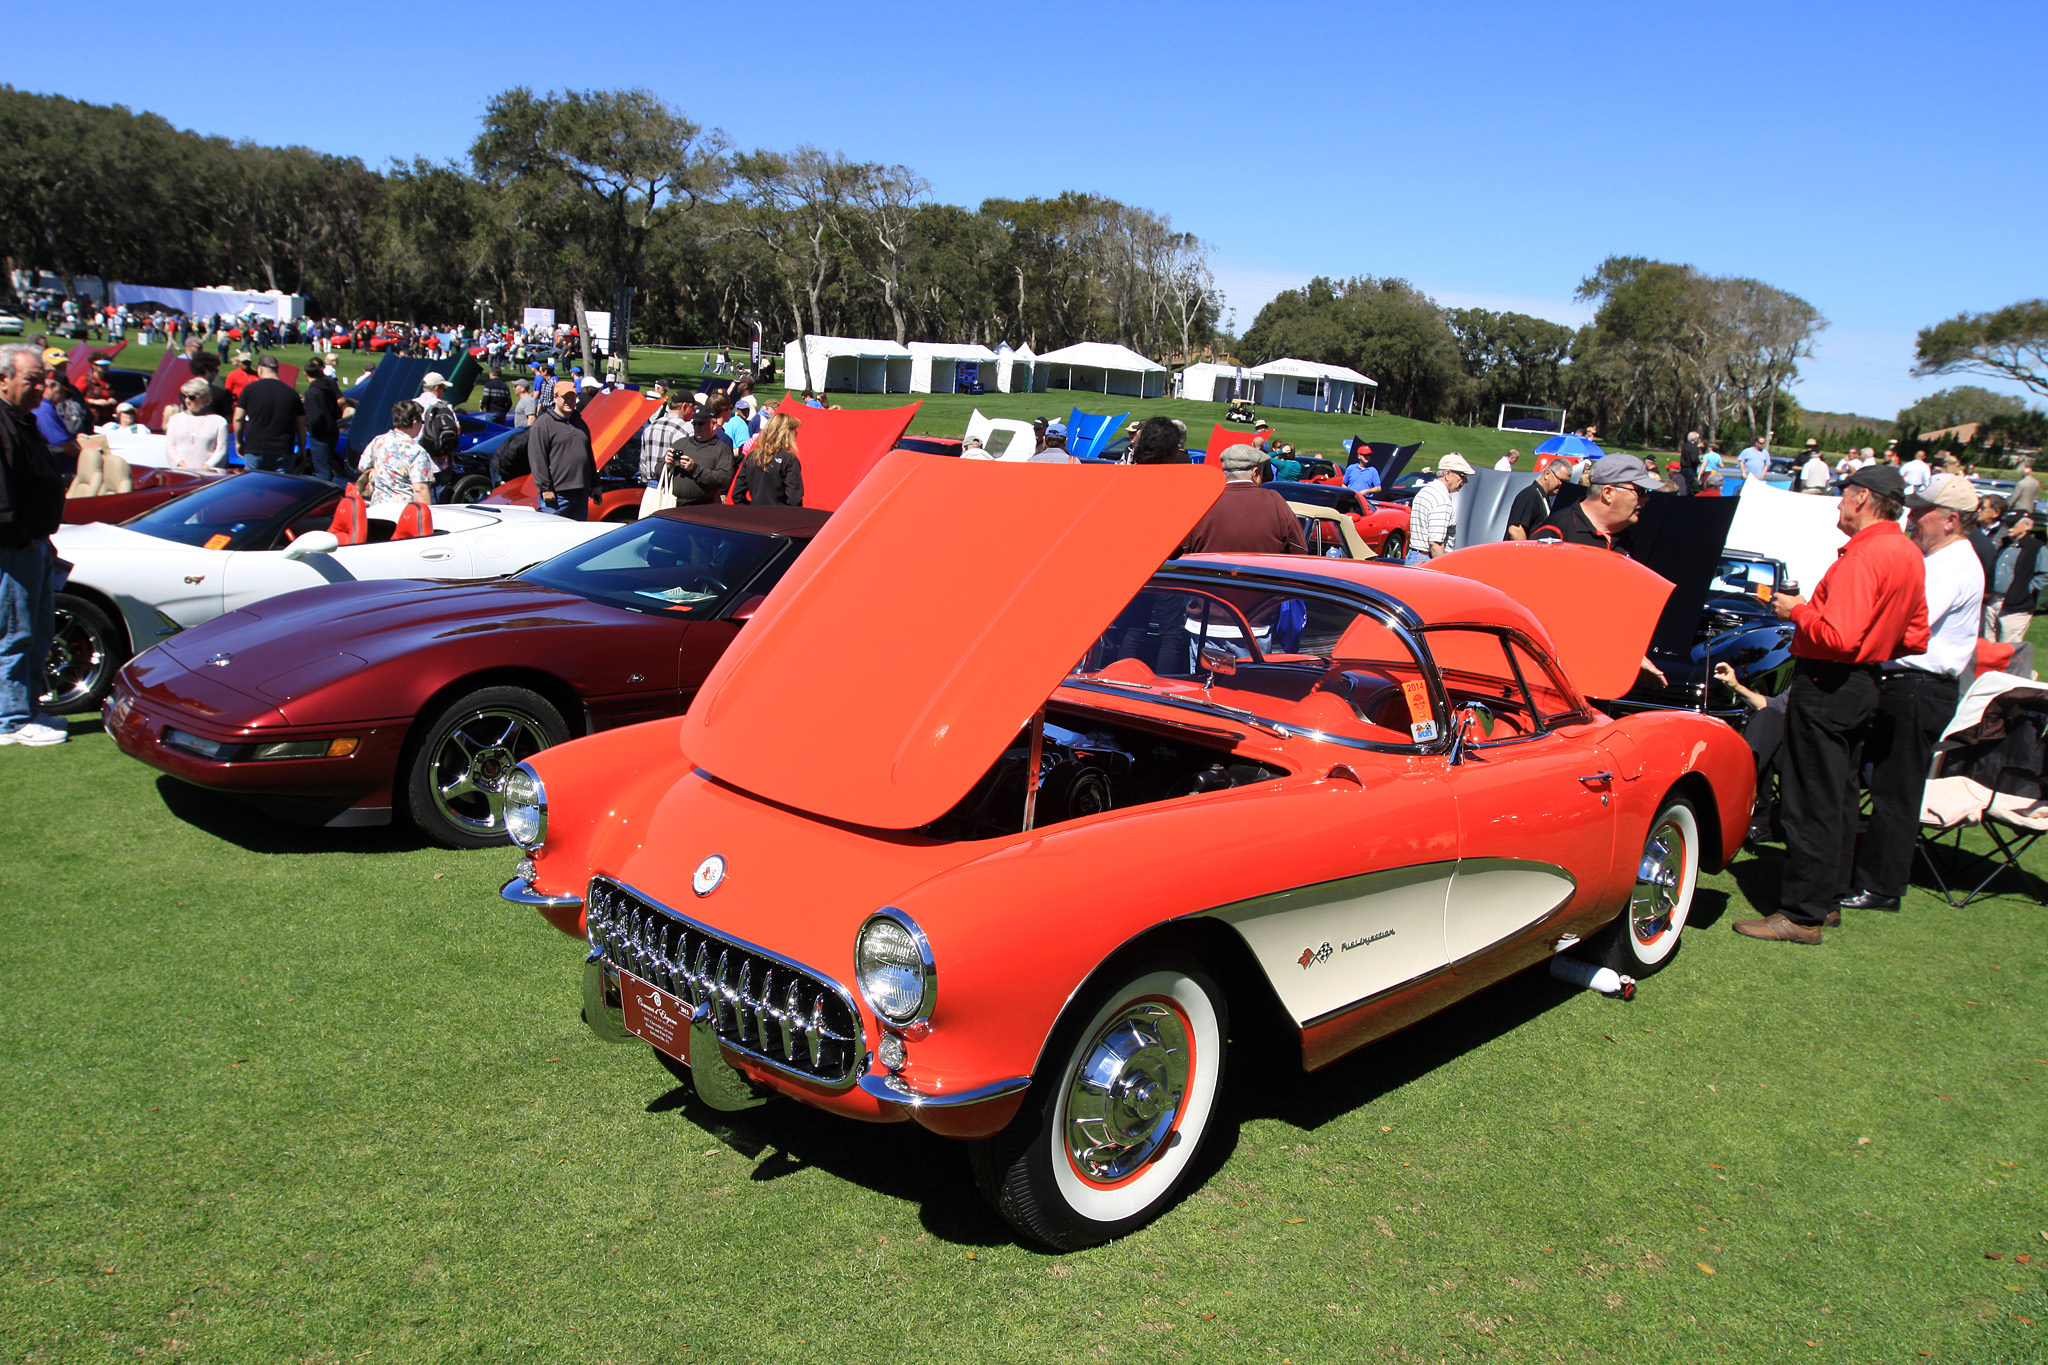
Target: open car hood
838 446
1599 607
931 617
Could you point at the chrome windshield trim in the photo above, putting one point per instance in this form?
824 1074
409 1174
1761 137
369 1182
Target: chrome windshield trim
893 1090
519 893
1277 727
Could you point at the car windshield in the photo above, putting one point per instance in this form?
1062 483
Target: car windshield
1744 576
1270 657
662 565
246 512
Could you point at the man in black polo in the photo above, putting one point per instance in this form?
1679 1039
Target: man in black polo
1601 519
270 419
1531 507
1611 505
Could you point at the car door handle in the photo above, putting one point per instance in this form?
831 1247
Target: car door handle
433 554
1591 779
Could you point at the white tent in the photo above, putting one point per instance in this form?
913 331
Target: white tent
1310 385
932 366
1099 367
846 365
1209 383
1004 438
1013 368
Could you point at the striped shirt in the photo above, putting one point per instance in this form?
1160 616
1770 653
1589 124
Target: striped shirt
1430 517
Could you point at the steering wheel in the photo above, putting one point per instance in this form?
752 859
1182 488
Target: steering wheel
704 581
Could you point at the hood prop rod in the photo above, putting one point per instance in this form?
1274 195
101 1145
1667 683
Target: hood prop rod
1031 768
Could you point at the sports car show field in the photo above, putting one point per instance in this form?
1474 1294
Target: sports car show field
281 1094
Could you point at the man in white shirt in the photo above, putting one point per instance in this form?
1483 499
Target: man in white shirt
1916 474
1506 463
1432 529
1917 698
1813 475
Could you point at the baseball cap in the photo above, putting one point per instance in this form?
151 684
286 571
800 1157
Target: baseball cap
1884 480
1239 458
1055 428
1454 463
1951 491
1813 440
1624 468
124 407
433 379
563 386
241 356
54 356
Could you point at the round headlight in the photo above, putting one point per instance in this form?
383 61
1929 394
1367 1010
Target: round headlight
893 965
526 808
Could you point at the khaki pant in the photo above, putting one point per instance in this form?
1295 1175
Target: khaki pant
2008 629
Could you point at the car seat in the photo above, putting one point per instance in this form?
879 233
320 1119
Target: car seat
351 524
414 519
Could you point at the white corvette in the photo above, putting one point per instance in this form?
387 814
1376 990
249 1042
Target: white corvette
246 538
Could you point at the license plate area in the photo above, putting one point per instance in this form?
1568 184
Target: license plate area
654 1016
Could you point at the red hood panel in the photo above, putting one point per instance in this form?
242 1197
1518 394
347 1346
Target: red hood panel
933 614
838 446
1600 607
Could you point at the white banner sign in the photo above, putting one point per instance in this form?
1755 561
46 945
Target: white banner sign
538 317
600 328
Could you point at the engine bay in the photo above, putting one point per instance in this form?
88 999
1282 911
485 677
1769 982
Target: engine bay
1085 768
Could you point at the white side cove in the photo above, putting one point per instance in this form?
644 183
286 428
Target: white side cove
1492 898
1328 946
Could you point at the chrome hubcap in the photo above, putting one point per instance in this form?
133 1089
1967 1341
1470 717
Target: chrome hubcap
1659 881
473 762
1126 1093
74 660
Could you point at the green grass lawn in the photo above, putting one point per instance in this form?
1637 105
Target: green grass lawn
282 1095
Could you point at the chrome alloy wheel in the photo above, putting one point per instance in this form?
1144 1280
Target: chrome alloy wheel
472 762
1660 881
77 659
1126 1096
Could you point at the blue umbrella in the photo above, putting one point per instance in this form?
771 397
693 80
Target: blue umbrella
1578 447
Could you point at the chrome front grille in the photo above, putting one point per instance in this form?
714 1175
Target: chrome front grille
775 1011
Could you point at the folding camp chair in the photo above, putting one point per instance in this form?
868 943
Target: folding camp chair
1991 769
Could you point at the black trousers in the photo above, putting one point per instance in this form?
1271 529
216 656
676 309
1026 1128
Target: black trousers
1829 709
1913 708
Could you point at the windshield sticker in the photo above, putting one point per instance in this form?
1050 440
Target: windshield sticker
1421 720
217 542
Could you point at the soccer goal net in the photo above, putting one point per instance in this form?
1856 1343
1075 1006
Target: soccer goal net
1530 417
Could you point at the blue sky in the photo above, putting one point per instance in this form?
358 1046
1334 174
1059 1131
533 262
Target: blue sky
1867 157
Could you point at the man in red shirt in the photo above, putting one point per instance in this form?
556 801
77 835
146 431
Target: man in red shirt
1871 607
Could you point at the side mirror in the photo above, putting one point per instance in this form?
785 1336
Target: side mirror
1218 659
312 543
745 610
1470 717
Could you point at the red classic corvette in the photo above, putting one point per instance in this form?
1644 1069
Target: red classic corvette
334 704
960 879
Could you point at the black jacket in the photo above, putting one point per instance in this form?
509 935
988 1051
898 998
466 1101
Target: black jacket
781 484
32 484
323 410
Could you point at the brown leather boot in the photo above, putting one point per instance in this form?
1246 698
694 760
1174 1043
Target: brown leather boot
1778 929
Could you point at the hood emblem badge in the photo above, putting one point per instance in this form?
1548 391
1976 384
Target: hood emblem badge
195 578
219 661
708 875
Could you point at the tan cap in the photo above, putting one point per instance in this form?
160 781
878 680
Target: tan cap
1951 491
1454 463
434 380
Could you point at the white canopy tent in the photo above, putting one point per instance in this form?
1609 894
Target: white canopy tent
1210 383
1099 367
1310 385
846 365
1013 368
933 366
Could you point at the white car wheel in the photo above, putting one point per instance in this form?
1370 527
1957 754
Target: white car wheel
1645 935
1123 1110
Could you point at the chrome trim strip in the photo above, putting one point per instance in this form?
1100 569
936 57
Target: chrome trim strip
893 1090
1280 727
712 980
519 893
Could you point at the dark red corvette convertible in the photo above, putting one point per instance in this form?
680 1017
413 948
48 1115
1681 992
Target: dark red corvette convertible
336 704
